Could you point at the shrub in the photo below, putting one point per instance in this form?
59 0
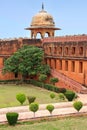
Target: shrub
50 108
36 83
31 99
61 96
49 87
42 77
34 107
62 90
21 97
52 95
54 80
56 89
12 117
69 95
78 105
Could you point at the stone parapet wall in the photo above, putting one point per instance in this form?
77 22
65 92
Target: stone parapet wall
74 38
8 47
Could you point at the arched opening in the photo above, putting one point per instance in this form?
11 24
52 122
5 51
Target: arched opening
38 36
80 67
32 35
66 50
60 50
81 50
60 64
73 66
55 50
73 50
47 34
66 65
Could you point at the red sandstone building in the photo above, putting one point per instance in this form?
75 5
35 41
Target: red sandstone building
67 55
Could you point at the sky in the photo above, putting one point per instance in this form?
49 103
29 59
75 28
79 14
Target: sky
69 15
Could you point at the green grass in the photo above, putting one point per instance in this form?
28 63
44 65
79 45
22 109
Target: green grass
77 123
8 95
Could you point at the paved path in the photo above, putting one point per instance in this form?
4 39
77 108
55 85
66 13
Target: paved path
63 108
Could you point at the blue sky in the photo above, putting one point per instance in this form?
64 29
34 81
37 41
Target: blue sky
69 15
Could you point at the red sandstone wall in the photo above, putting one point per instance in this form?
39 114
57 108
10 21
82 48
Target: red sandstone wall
8 47
62 39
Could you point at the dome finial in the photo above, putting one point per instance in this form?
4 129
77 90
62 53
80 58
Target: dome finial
42 6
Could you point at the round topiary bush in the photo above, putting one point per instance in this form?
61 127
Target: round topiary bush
52 95
31 99
50 108
61 96
78 105
12 117
21 98
69 95
34 107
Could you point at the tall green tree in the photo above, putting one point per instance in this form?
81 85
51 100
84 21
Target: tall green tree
28 61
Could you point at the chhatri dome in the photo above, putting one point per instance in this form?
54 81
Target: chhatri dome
42 23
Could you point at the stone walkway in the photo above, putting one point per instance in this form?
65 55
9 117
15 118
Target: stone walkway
63 108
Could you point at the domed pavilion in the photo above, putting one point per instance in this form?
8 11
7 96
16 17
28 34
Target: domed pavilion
42 23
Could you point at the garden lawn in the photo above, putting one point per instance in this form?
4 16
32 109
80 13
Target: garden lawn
8 94
77 123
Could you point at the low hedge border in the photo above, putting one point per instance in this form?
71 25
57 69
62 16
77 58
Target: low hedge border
35 83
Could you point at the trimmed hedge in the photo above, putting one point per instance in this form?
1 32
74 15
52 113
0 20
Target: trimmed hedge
62 90
46 86
9 81
12 117
36 83
70 95
51 87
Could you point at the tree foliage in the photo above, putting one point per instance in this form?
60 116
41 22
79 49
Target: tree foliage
28 61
